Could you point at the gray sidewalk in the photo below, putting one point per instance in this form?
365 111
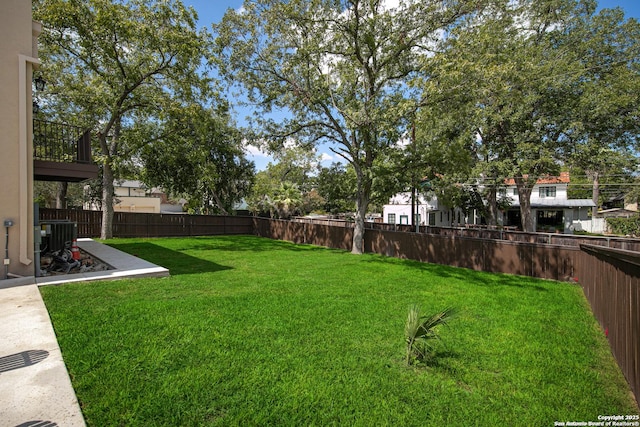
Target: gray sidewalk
34 383
35 389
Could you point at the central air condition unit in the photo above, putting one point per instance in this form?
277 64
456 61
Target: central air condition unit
57 234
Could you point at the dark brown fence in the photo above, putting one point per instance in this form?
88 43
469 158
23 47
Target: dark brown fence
299 232
498 256
478 232
527 259
127 224
610 277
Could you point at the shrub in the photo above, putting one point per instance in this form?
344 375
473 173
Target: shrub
625 226
421 331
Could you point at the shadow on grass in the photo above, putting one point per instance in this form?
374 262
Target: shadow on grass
176 261
247 244
440 360
465 274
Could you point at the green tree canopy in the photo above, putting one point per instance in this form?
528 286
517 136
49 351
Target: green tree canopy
516 78
606 125
340 68
294 167
198 154
116 65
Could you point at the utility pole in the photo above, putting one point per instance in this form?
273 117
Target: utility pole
414 184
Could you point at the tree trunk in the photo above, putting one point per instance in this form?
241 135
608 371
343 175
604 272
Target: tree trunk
413 207
524 194
61 195
219 203
492 206
106 232
362 204
596 193
109 147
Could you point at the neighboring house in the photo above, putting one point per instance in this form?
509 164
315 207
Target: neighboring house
552 210
52 151
134 196
429 211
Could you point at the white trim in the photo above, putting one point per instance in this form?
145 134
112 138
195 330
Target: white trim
24 159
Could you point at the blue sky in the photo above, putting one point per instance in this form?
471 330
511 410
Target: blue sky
210 11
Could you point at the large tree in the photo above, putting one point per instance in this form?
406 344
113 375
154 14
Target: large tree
118 63
339 68
606 120
198 155
336 185
518 75
292 171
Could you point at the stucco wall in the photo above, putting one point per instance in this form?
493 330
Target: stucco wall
137 204
17 54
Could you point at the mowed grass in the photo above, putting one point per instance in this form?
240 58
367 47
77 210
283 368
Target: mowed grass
250 331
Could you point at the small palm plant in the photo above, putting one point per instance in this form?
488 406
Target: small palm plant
420 331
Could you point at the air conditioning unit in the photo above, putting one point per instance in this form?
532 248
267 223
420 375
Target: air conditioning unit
57 234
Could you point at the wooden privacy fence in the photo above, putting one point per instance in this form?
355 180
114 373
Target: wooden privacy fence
127 224
610 279
483 232
497 256
609 276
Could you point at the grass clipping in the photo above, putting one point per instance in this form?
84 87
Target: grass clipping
421 332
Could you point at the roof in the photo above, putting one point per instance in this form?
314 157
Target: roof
564 178
128 184
620 212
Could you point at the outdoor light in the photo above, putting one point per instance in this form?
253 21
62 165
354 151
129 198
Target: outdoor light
36 107
40 82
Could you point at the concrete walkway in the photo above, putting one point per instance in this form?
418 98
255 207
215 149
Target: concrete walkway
35 389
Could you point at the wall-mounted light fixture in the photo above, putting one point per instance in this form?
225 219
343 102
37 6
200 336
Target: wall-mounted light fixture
40 83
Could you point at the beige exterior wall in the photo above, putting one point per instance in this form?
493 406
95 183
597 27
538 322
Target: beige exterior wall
137 204
18 55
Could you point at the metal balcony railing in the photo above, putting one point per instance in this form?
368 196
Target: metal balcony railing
59 142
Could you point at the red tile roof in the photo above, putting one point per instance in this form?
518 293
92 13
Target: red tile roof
562 179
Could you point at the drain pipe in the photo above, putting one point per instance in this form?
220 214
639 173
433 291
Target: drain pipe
7 223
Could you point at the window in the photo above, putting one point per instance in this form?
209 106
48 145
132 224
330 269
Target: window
547 192
432 218
391 218
404 219
515 191
550 220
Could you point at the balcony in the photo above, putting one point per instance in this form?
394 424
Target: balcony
61 152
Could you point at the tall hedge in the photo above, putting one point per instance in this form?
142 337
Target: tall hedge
625 226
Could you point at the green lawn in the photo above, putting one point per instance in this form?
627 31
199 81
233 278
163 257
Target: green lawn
250 331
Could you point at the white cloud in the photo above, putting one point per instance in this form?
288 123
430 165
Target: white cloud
325 157
252 150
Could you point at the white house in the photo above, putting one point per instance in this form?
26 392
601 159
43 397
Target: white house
552 209
429 212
